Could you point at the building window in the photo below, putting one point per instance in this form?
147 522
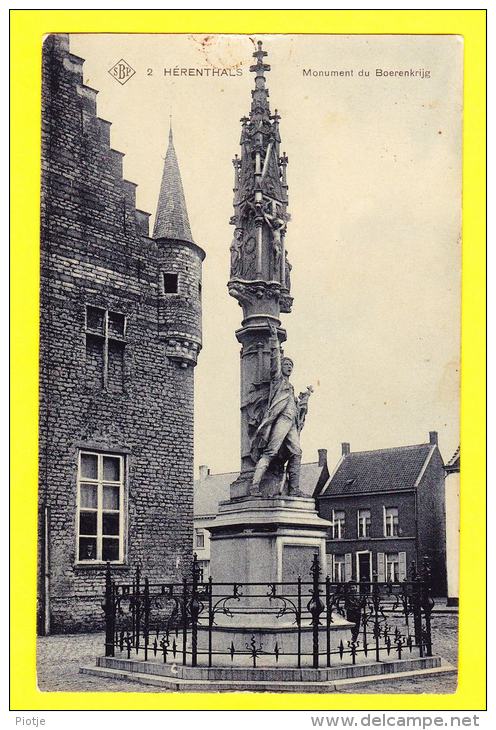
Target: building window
338 524
169 283
105 344
392 567
390 521
338 565
199 538
100 519
363 519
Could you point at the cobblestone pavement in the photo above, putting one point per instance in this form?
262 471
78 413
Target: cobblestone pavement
60 656
445 643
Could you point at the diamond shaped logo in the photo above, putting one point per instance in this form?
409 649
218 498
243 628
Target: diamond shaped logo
122 71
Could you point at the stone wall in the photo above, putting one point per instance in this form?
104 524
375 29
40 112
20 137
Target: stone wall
95 252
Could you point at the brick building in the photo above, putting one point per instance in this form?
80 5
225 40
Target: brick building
387 509
120 333
452 491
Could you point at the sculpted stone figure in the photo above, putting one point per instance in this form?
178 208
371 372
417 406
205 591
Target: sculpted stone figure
236 252
278 227
278 434
287 272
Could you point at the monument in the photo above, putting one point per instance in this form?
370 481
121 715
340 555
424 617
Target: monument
268 531
269 617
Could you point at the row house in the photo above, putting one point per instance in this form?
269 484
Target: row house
452 481
387 509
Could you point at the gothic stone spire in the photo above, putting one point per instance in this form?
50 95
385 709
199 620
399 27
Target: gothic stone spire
260 270
172 219
259 265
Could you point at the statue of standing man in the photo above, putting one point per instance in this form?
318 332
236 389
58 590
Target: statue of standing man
278 434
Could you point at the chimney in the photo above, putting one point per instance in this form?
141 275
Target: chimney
433 438
322 457
204 472
345 448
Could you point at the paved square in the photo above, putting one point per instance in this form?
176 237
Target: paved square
59 659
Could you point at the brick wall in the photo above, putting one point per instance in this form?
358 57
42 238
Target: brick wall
95 251
432 516
376 542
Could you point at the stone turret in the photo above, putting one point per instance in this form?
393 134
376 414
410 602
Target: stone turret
180 262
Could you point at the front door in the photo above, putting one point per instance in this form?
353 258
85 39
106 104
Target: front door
364 567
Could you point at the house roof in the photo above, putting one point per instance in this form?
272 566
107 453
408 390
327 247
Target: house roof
211 490
375 471
214 488
453 464
172 219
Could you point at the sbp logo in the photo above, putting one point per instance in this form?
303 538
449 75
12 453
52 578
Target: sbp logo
122 71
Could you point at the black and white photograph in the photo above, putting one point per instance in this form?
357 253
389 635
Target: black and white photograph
249 438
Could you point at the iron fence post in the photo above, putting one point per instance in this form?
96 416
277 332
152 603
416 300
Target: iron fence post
185 618
315 608
210 620
298 622
132 601
138 608
146 616
328 620
417 608
194 608
427 603
376 603
109 608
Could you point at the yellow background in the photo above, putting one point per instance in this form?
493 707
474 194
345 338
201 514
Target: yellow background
27 30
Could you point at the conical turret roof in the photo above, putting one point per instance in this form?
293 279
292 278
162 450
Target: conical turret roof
172 219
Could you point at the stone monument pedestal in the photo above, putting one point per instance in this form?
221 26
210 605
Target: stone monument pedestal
260 545
253 539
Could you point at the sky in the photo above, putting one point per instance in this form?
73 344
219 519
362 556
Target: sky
374 238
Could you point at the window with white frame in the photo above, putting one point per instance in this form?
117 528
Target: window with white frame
390 521
199 538
392 567
363 519
100 519
338 572
338 524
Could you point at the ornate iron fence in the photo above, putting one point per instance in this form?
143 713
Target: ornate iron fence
164 621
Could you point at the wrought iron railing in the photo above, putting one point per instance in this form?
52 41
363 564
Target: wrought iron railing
177 622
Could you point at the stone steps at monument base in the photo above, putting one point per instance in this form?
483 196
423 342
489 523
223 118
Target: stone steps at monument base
400 669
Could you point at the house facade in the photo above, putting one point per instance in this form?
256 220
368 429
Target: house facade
387 510
452 483
120 333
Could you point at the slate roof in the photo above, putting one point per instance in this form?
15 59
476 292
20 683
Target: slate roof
172 219
376 471
215 488
453 464
210 491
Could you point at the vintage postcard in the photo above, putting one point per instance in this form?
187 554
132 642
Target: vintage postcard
250 294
